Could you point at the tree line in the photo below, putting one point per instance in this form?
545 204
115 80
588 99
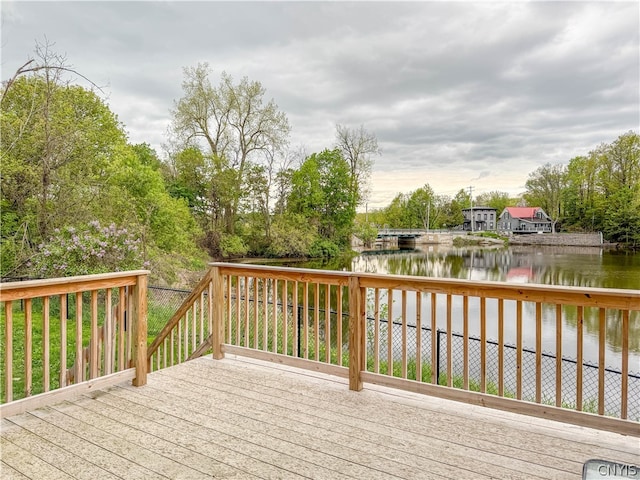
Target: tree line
77 197
599 191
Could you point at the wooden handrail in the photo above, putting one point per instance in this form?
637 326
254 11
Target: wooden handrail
114 344
63 285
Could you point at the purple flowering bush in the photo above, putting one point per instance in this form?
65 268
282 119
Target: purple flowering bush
90 249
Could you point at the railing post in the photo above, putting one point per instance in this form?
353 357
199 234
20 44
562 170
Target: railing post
356 333
217 335
138 320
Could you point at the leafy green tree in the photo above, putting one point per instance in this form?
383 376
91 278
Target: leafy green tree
67 165
620 163
544 189
580 195
321 193
495 199
291 236
622 217
395 214
419 207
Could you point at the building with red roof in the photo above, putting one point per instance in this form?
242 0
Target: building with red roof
524 220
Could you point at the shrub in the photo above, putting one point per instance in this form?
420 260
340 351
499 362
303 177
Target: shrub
86 250
232 246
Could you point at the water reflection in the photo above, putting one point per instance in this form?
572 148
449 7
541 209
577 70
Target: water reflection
568 266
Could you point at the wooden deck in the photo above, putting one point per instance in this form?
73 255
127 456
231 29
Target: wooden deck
242 418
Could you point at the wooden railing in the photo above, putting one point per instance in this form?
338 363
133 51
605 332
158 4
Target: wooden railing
71 333
529 342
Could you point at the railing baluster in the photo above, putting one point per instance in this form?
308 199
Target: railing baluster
179 328
376 331
164 352
194 325
483 344
601 354
339 324
93 342
434 340
327 323
449 343
558 355
79 370
501 347
229 316
63 341
173 343
185 336
256 330
316 320
108 335
295 319
28 348
285 318
465 342
121 330
519 350
390 332
201 338
538 352
579 359
45 345
238 294
404 334
246 312
418 336
305 319
265 315
130 303
8 351
274 325
624 387
210 307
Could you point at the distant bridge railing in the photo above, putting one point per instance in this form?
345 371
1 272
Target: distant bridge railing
407 232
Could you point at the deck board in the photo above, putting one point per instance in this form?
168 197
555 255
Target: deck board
242 418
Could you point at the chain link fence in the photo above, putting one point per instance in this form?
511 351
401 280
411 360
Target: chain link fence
162 303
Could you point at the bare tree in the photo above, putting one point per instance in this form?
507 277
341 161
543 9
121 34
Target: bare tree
357 147
49 62
235 124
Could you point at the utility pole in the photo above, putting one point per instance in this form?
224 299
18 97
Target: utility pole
471 198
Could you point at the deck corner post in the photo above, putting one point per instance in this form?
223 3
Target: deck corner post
217 335
139 324
356 333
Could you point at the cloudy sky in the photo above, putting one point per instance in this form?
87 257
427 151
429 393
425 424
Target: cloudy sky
457 93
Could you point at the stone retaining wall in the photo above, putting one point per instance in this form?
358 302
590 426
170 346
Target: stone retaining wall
569 239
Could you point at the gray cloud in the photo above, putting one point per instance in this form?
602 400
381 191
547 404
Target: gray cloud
452 90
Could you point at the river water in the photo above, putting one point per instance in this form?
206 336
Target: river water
568 266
